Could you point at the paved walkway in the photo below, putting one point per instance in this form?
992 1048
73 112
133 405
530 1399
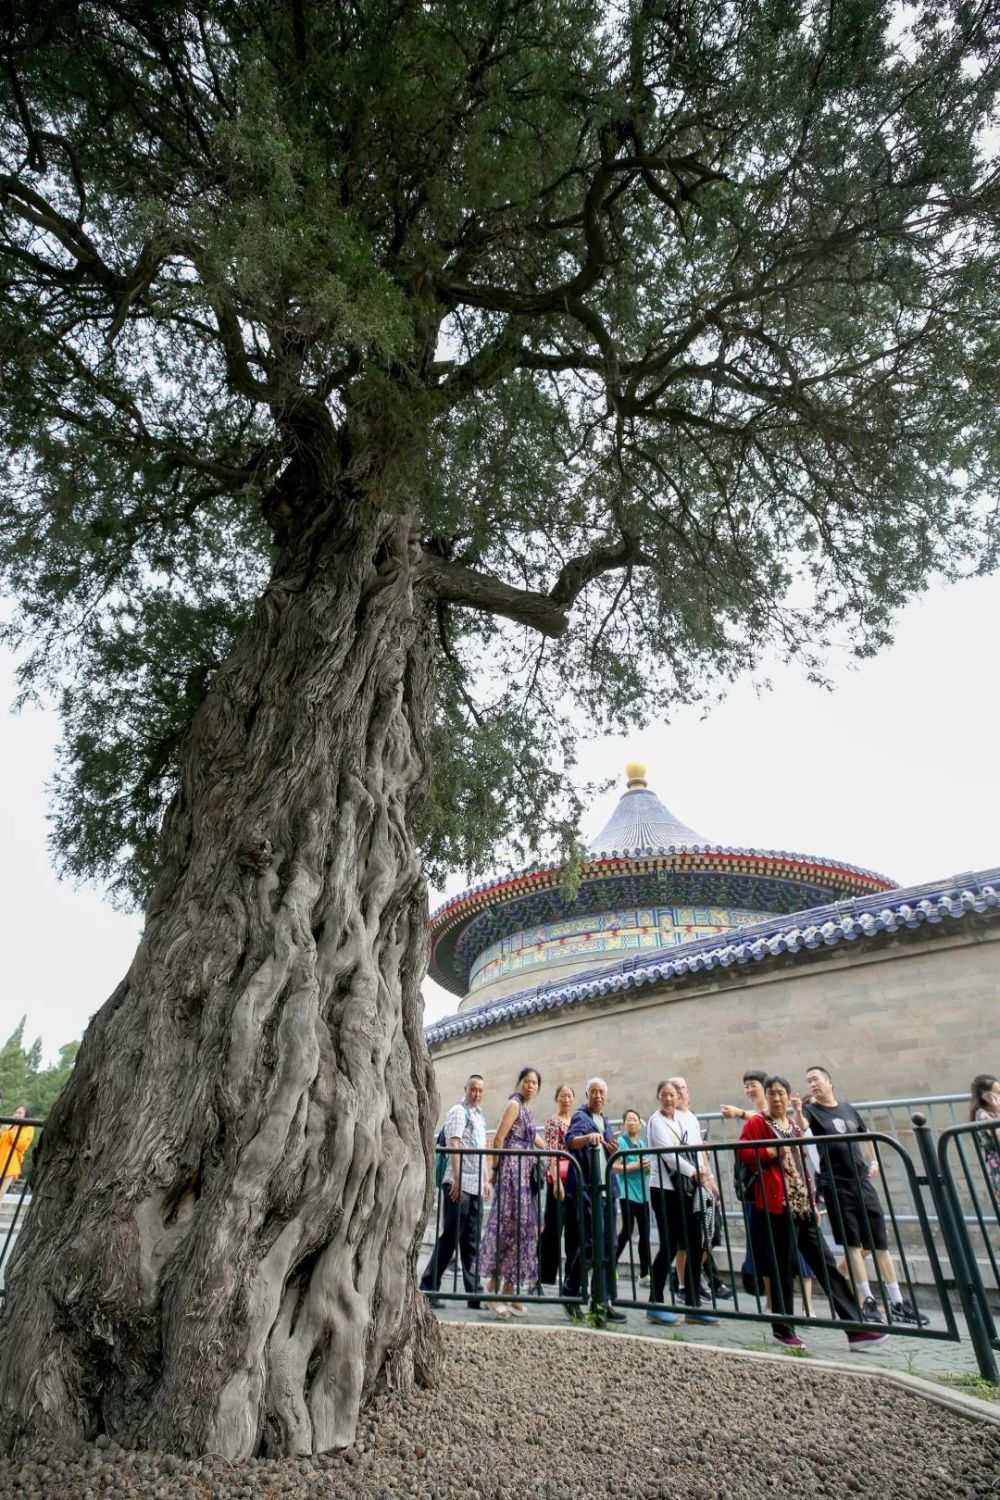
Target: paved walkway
931 1358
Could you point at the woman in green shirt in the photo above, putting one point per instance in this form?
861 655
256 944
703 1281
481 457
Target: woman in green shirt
634 1168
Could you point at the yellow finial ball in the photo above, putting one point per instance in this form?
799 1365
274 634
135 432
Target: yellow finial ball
635 773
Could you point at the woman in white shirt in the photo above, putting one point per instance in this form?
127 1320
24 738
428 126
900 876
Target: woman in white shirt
676 1207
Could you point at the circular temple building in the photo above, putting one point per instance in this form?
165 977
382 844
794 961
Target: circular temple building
651 883
680 955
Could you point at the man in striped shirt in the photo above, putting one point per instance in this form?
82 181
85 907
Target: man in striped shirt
465 1186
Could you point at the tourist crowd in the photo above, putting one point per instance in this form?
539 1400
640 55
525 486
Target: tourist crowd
523 1220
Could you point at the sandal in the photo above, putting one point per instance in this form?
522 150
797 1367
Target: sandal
518 1309
500 1310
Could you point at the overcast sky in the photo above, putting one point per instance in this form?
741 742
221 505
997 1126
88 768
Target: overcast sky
895 770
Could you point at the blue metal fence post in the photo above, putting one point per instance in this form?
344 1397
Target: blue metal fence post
960 1252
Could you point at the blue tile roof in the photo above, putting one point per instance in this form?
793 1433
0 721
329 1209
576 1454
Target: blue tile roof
820 926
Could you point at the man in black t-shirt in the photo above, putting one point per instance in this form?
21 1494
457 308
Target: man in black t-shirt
845 1183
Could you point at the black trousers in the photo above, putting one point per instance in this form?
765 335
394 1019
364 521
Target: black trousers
635 1216
680 1228
777 1241
550 1240
460 1225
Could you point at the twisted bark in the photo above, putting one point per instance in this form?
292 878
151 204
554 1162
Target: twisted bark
221 1247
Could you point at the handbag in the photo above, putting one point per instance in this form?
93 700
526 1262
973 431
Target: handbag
686 1186
536 1179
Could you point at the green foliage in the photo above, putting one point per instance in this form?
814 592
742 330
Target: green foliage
45 1086
576 857
24 1081
502 788
117 763
971 1385
671 324
15 1068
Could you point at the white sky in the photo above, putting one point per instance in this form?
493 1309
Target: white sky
895 770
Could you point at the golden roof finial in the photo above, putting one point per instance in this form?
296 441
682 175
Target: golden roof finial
635 775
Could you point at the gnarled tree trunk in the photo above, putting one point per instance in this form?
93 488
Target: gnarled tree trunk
220 1251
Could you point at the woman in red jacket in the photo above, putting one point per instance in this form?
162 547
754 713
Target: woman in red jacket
783 1218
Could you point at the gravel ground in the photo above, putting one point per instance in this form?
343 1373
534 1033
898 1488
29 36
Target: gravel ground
698 1426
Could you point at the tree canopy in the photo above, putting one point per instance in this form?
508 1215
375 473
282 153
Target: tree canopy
670 323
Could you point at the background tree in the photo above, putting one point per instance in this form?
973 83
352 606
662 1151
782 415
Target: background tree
17 1064
385 383
46 1084
23 1080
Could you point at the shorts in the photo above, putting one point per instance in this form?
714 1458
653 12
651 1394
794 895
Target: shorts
856 1219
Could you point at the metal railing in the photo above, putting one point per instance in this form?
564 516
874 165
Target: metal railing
495 1236
975 1146
784 1250
973 1177
894 1116
501 1235
792 1195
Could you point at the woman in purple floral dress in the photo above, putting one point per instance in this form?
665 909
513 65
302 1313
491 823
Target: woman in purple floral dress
508 1251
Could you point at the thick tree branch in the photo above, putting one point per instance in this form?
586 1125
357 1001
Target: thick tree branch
455 584
241 376
506 299
548 613
139 281
579 571
19 199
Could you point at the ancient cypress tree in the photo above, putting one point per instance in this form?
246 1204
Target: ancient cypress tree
388 386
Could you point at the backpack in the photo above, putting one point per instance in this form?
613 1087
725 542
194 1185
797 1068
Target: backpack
744 1177
440 1159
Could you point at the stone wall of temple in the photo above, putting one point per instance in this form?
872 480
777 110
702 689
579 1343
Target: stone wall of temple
916 1013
